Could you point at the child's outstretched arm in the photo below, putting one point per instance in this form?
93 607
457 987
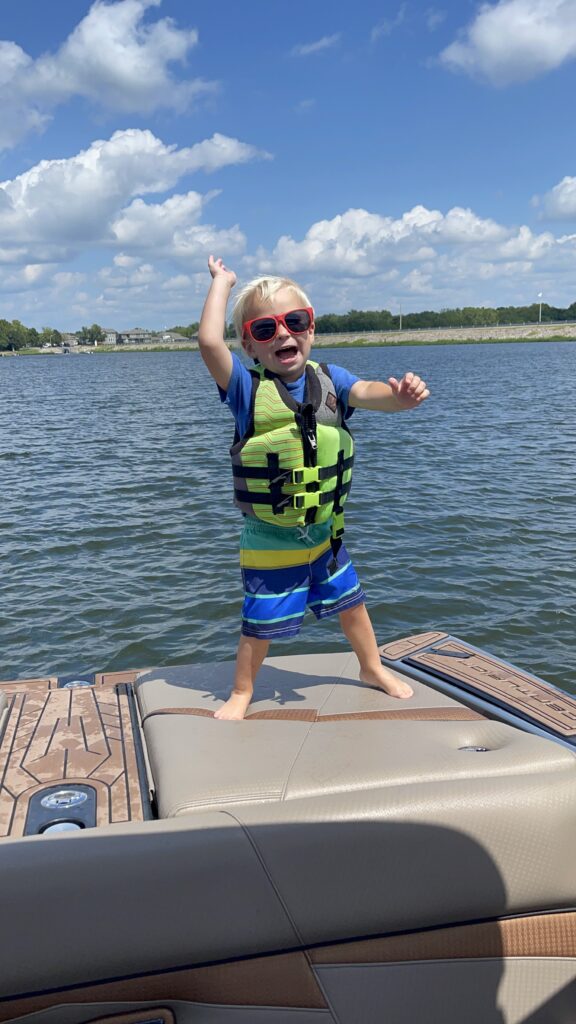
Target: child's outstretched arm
213 348
394 396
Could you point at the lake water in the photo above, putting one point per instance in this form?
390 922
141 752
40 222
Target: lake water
118 538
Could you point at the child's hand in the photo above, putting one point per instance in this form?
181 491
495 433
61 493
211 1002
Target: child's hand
410 391
217 269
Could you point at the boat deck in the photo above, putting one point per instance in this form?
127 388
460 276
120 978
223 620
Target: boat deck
54 738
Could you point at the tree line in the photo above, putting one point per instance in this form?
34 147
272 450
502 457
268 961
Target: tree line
468 316
362 321
14 335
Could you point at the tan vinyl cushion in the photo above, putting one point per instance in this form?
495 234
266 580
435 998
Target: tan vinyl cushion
201 763
368 825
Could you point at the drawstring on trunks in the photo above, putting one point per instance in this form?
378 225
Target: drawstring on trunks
303 534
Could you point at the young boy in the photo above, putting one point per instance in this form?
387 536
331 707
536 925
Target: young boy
292 462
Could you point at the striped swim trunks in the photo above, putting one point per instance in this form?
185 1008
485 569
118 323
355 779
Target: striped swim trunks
286 570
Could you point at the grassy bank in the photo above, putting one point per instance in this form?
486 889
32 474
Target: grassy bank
318 343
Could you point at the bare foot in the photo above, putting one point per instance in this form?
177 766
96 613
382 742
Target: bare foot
235 707
386 681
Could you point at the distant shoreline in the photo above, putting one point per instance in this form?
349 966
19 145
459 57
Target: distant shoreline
516 333
320 341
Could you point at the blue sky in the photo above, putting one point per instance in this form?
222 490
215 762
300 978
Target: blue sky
384 154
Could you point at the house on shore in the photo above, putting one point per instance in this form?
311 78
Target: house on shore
171 337
135 336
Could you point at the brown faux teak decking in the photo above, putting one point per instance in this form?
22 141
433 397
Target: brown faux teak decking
482 673
80 735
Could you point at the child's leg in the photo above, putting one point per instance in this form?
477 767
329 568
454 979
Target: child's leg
358 630
251 654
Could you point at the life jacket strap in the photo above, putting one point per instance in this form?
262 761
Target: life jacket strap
313 499
302 475
310 499
316 474
337 530
276 496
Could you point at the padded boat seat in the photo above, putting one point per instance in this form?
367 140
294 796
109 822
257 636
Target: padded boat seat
314 731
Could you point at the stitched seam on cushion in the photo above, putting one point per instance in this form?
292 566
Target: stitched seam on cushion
296 756
334 685
189 807
305 738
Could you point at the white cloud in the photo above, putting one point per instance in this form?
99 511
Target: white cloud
526 246
122 260
13 61
515 40
12 255
63 205
462 225
155 224
28 277
171 230
68 279
191 244
359 243
560 202
307 49
155 250
177 283
387 25
429 257
417 282
113 58
145 294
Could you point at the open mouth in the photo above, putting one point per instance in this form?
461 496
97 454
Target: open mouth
286 353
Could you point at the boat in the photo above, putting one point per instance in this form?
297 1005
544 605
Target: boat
339 857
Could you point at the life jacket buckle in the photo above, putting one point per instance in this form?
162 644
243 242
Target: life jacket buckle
309 500
306 475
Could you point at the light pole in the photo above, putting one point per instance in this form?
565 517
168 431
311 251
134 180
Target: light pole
400 319
540 307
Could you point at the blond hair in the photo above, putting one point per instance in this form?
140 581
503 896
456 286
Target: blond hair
259 291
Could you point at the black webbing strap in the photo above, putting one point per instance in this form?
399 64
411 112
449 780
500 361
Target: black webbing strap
325 497
277 498
306 423
286 500
258 498
340 490
335 545
263 472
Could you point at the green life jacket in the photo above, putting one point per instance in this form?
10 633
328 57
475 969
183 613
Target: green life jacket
294 464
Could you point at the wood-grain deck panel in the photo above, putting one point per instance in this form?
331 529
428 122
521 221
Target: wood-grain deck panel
55 736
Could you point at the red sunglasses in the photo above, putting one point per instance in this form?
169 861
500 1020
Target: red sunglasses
265 328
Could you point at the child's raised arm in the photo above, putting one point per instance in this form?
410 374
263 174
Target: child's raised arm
394 396
213 348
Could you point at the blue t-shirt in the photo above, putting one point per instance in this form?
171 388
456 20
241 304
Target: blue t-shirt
239 393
